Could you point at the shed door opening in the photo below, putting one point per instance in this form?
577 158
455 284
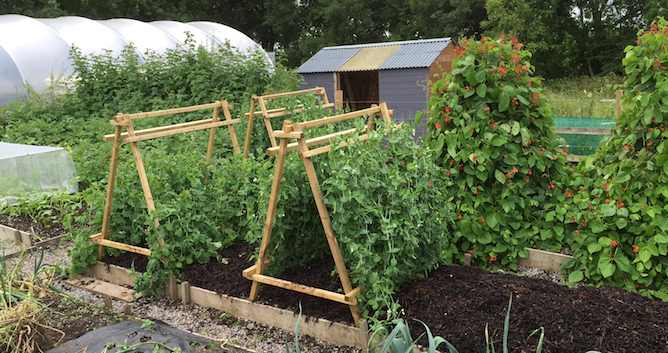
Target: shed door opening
360 88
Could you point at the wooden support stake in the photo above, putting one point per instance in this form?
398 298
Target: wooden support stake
271 211
249 127
339 263
230 127
267 122
212 135
184 289
618 104
338 99
113 167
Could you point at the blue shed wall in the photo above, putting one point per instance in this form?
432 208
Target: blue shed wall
404 90
320 79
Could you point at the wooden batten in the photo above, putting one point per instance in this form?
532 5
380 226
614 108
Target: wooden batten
172 111
337 118
142 135
120 246
23 241
314 141
292 93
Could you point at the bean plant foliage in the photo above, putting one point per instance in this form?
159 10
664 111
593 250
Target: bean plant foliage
493 135
622 230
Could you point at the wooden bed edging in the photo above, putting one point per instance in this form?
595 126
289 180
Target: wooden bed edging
543 260
324 330
24 241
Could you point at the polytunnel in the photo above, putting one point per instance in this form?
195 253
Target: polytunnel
41 52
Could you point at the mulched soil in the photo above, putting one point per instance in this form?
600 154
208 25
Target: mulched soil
225 277
128 260
26 224
456 302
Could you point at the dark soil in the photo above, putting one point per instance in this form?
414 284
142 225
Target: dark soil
27 224
128 260
456 303
73 318
225 277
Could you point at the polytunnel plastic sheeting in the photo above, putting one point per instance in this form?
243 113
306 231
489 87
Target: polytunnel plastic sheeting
89 36
180 31
11 82
143 36
228 34
30 169
36 49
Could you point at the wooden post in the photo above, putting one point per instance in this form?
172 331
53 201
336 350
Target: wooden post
323 95
212 135
230 127
143 178
339 263
249 126
271 211
267 122
113 167
618 104
338 99
184 290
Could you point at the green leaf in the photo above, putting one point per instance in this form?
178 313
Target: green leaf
515 128
606 268
621 223
575 277
499 141
594 247
504 101
481 90
500 177
492 220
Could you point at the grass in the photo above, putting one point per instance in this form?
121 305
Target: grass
583 96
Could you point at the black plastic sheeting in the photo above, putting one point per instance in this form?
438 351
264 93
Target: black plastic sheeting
135 337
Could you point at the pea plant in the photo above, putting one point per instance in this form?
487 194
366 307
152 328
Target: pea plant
622 229
493 136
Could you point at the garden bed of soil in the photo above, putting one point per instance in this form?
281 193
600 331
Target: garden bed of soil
26 224
224 275
456 302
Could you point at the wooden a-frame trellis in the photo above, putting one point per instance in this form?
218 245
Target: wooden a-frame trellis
132 137
303 146
268 114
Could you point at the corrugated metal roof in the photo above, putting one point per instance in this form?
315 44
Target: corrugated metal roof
415 55
327 60
410 54
369 58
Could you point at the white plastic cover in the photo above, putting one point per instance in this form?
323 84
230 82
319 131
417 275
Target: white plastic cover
36 49
143 36
28 169
87 35
230 35
180 31
11 82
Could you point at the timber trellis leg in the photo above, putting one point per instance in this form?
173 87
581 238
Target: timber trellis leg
132 137
295 131
268 114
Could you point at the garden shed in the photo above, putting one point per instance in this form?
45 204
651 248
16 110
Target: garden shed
398 73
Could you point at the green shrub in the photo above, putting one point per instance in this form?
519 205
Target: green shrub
494 136
622 221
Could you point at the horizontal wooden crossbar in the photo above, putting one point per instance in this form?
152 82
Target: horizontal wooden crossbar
584 131
173 111
336 118
348 299
278 112
110 137
142 135
272 151
120 246
328 148
291 93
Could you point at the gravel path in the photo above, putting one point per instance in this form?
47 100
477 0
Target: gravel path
210 323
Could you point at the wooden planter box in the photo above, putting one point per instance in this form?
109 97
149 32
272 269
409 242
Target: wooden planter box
327 331
21 241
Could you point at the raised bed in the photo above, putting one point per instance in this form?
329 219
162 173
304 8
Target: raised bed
14 241
328 331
